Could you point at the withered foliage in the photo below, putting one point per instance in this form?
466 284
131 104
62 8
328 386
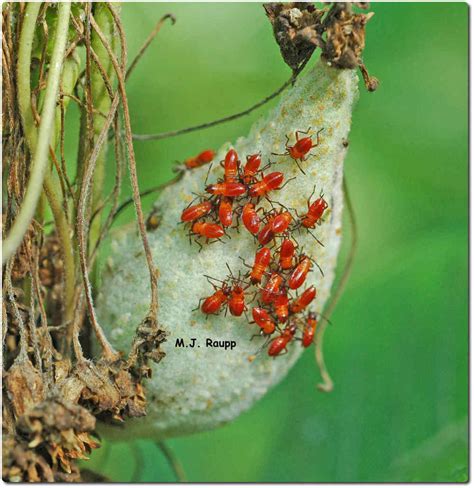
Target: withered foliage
299 28
54 386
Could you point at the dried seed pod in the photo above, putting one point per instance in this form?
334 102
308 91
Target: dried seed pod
195 389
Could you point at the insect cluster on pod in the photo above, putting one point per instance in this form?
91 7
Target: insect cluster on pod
279 269
273 231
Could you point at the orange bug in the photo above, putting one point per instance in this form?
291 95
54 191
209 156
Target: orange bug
225 211
250 218
262 261
281 222
251 167
214 303
227 189
266 234
201 159
281 307
315 212
231 166
300 303
299 274
196 211
300 150
287 252
270 182
279 343
263 320
309 329
237 301
271 288
209 231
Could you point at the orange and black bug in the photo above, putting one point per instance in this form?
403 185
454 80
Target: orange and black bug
287 253
279 343
300 303
271 288
225 211
309 329
250 218
153 220
214 303
269 182
263 320
201 159
196 211
300 150
262 261
227 189
231 166
251 168
315 212
281 307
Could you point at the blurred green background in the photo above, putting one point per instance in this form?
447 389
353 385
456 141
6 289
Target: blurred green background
398 349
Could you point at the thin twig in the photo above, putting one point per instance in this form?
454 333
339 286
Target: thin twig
127 202
173 461
207 125
327 385
148 41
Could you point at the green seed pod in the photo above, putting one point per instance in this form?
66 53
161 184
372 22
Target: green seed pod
195 389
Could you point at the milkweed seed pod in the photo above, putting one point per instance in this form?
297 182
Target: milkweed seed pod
199 388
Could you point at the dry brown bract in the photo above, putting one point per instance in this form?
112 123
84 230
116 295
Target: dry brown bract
299 27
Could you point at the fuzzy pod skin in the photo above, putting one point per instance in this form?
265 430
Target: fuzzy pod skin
196 389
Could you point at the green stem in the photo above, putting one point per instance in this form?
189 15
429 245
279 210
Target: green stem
39 143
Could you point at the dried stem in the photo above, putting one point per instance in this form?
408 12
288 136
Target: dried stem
173 461
132 169
148 41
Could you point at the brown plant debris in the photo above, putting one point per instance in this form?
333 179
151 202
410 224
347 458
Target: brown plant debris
299 28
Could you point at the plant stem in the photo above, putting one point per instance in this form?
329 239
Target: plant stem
327 385
40 157
39 144
173 461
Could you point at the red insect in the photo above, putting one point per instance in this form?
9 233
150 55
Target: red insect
266 234
287 252
251 167
231 166
281 222
271 289
227 189
300 303
299 274
263 320
281 307
270 182
279 343
250 218
237 301
225 211
262 261
201 159
309 329
213 303
302 146
196 211
210 231
315 212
